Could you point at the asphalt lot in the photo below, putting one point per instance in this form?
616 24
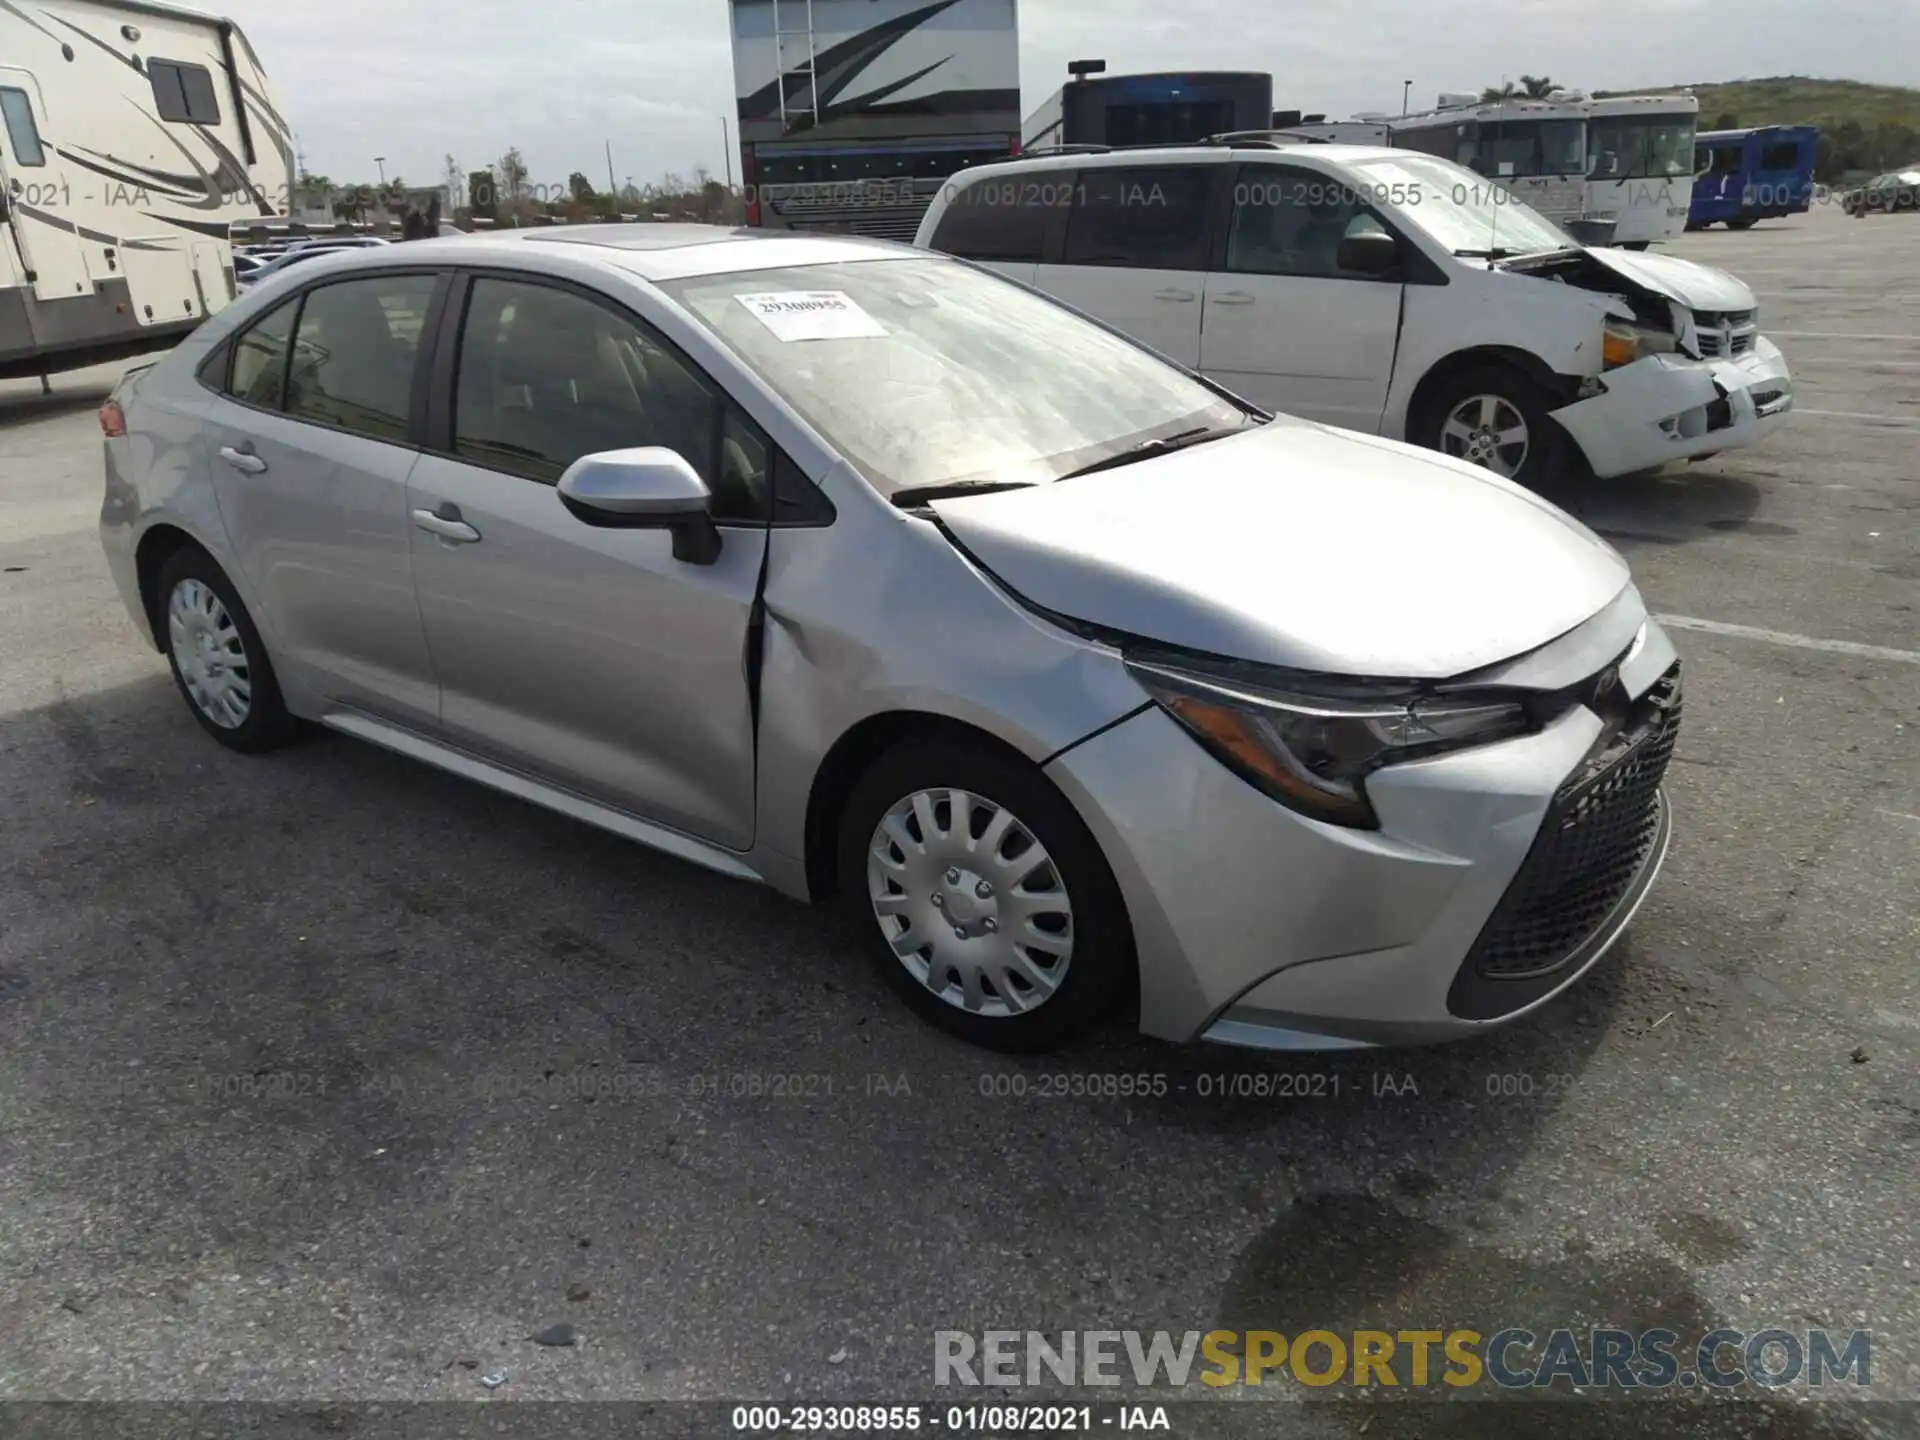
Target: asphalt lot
291 1050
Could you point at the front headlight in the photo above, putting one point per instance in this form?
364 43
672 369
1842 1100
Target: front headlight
1623 343
1313 752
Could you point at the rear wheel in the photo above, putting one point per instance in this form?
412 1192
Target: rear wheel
986 902
1744 222
217 657
1495 417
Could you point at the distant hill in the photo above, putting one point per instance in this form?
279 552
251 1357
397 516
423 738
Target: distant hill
1863 127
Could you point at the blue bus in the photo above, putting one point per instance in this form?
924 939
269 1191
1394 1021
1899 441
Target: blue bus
1741 176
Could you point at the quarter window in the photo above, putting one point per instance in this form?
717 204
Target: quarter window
546 376
260 359
1002 219
1290 222
1146 218
183 93
354 351
23 136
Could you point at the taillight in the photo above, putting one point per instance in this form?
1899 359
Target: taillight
749 176
113 420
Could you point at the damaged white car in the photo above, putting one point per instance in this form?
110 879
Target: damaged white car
1385 291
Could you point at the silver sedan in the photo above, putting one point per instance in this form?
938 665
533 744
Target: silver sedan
863 573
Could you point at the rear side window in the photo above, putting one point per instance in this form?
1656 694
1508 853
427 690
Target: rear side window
1001 219
260 358
1780 157
23 136
353 354
183 93
1147 218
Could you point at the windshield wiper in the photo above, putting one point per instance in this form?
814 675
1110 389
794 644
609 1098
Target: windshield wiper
1146 449
920 494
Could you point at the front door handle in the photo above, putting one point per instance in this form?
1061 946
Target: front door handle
243 459
1178 295
1232 297
447 524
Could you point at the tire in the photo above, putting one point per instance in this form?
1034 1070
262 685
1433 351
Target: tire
903 879
1635 245
1744 222
1544 448
217 657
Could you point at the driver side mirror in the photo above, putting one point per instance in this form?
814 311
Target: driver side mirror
649 488
1371 252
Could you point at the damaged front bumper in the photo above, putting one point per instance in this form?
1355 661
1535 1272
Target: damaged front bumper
1668 407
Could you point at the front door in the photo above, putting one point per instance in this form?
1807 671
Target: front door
588 657
1285 326
39 200
309 453
1136 252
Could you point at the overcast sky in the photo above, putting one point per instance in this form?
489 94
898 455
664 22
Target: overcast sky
414 80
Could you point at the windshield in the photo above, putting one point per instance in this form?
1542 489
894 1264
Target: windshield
929 372
1468 213
1632 147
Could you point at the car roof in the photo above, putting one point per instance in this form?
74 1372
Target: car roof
1162 154
659 251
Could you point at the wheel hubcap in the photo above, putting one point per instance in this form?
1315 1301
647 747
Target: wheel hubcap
971 902
210 654
1487 430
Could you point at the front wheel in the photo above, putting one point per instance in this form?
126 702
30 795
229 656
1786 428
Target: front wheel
1497 418
1635 244
987 903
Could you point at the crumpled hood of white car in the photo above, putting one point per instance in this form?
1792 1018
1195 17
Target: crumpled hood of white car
1698 287
1300 546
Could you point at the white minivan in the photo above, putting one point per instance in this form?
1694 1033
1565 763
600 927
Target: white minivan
1384 291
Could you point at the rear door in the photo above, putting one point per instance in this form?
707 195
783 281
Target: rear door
588 657
1284 325
39 199
310 447
1135 252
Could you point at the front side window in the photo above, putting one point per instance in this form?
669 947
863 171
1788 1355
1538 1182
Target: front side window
547 375
1144 218
1629 147
926 372
1468 213
354 351
183 93
259 374
23 136
1291 222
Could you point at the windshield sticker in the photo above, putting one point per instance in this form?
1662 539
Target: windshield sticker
812 315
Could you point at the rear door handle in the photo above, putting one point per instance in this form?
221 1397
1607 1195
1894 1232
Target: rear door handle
1232 297
1179 295
243 460
447 524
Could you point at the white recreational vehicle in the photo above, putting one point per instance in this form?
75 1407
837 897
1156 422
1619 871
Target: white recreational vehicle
135 134
854 113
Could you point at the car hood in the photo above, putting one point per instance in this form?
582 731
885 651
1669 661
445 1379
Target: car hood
1698 287
1299 546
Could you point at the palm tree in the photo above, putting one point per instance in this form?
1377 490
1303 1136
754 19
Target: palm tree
1504 91
1537 87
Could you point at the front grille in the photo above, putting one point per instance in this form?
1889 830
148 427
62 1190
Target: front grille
1725 333
1590 848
